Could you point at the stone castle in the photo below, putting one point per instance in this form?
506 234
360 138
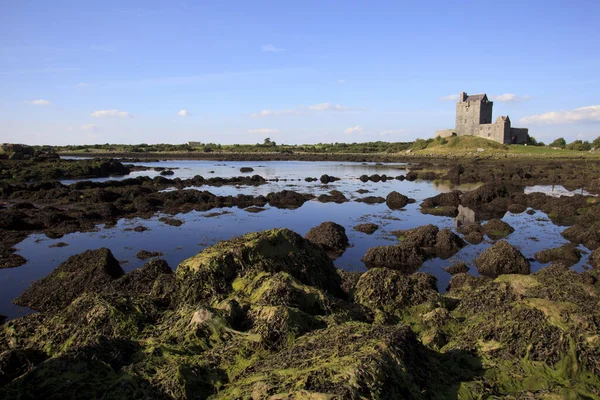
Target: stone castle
474 117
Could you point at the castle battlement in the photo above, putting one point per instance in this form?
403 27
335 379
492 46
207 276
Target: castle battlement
474 117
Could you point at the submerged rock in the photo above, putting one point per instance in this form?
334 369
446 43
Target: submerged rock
89 272
331 236
368 228
457 268
246 169
145 254
288 199
502 258
171 221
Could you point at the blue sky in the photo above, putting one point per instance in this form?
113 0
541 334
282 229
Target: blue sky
313 71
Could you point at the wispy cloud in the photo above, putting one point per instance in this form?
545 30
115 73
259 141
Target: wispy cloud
103 48
450 97
263 130
509 98
589 114
89 127
392 132
183 113
354 129
111 113
269 48
302 110
38 102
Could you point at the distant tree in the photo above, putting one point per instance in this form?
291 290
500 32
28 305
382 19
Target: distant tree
596 142
560 142
579 145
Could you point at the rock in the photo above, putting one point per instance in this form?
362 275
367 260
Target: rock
594 258
484 194
331 236
457 268
275 325
530 211
210 274
140 228
396 201
480 149
516 208
463 282
422 237
502 258
404 257
246 169
327 179
9 259
145 254
442 199
254 209
14 363
89 272
334 196
368 228
155 278
390 291
371 200
171 221
363 191
567 254
497 229
167 172
59 244
473 233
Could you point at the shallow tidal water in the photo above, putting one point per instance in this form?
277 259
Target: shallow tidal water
202 229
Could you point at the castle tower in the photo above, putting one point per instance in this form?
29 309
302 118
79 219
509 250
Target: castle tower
472 111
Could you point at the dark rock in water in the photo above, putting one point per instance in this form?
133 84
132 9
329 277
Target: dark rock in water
463 282
567 254
375 178
422 237
586 233
9 259
391 291
254 209
371 200
331 236
89 272
363 191
404 257
364 178
140 228
396 201
16 362
517 208
483 194
212 272
368 228
443 199
288 199
334 196
497 229
246 169
145 254
327 179
411 176
530 211
473 233
441 211
59 244
309 179
457 268
502 258
167 172
447 243
171 221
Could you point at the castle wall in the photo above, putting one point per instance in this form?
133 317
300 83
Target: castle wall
445 133
467 117
485 116
521 135
499 131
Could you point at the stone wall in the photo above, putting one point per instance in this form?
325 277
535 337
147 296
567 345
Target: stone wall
444 133
521 135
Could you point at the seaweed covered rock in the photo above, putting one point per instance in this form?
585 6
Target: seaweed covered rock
430 241
155 279
91 271
421 237
502 258
334 196
497 229
368 228
391 291
403 256
396 201
473 233
288 199
567 255
447 243
382 361
443 204
145 254
331 236
16 362
209 275
594 258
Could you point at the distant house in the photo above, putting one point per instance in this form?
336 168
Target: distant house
474 117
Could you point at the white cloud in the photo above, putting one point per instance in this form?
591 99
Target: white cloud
270 48
392 132
111 113
38 102
578 115
328 107
183 113
356 129
103 48
450 97
89 127
509 97
272 113
263 130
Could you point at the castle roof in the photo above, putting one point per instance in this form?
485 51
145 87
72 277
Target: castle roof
477 97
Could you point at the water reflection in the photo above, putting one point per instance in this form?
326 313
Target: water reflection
466 216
